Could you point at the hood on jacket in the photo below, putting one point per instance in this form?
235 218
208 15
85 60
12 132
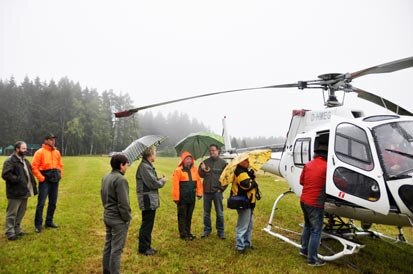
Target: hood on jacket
183 156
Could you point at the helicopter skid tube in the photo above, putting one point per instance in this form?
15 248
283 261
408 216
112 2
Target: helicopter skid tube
349 247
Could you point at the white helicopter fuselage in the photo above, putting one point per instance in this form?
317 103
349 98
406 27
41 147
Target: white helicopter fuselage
360 183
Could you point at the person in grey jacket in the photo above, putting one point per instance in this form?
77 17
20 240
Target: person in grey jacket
117 212
210 170
20 184
147 185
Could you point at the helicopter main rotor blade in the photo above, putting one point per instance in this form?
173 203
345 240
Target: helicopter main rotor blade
381 102
385 68
129 112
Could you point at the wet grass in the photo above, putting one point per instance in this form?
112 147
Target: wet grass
76 246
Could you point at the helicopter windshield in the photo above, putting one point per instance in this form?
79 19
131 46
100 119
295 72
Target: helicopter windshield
395 148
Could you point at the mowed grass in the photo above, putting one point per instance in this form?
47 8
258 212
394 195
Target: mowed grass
76 246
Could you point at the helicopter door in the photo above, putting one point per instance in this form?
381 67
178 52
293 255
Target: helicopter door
354 173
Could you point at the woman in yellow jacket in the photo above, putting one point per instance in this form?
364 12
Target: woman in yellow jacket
245 185
186 184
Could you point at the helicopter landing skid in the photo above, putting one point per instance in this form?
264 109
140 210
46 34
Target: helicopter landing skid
349 247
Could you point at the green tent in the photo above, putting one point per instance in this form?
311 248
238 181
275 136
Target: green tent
31 148
8 150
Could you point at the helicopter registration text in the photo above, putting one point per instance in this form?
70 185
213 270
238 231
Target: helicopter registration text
320 115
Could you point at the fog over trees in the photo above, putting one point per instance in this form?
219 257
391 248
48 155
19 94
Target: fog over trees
83 119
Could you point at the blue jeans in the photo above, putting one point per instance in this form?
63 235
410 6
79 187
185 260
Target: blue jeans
310 239
243 231
46 189
215 197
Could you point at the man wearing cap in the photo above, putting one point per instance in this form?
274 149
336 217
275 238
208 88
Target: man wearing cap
313 196
47 167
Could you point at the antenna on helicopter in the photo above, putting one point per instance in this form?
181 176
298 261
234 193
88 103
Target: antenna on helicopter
227 139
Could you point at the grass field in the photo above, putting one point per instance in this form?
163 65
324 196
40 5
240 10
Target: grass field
76 246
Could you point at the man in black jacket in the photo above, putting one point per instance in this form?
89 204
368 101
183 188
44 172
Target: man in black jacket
210 170
20 185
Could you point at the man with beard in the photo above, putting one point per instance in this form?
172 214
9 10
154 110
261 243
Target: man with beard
20 185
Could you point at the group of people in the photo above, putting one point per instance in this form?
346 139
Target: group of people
189 183
20 177
47 168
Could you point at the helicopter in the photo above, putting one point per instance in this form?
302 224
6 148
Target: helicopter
370 158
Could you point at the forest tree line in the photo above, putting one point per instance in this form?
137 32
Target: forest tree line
83 119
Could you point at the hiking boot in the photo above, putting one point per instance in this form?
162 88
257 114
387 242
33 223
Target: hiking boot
317 263
20 234
303 254
241 251
150 252
52 225
12 238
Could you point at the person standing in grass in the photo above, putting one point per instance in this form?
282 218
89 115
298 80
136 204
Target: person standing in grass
117 212
147 185
245 185
20 185
48 169
210 170
186 184
313 196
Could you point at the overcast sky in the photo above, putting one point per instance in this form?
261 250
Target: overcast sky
163 50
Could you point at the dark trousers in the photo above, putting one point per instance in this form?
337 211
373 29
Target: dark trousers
145 232
46 190
185 218
16 208
313 226
116 232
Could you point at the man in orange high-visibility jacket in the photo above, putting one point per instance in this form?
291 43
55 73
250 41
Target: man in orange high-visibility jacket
186 184
47 167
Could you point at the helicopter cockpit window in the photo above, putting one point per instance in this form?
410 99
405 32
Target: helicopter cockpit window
302 151
352 146
356 184
395 148
406 194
